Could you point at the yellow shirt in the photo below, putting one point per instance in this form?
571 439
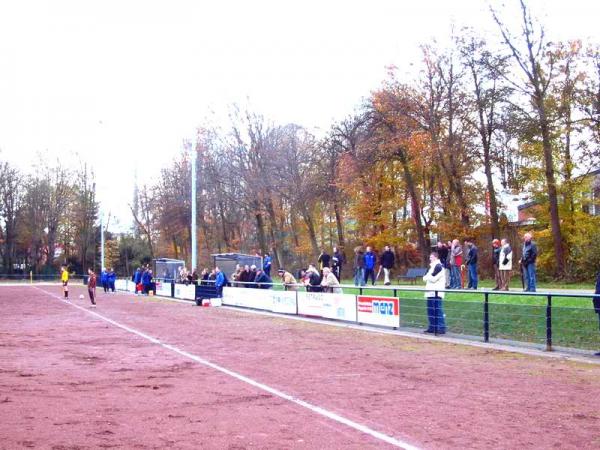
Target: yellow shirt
65 276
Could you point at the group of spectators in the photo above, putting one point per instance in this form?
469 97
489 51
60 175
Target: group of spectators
107 279
186 277
250 276
365 262
143 280
455 258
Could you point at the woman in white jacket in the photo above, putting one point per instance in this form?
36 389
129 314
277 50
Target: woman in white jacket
435 281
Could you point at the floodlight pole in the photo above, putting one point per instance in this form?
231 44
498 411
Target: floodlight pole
101 241
193 237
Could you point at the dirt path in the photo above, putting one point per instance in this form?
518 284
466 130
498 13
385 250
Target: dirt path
71 380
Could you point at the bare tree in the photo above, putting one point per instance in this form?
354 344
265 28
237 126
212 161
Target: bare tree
529 52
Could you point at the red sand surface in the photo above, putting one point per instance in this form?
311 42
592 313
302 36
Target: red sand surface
70 380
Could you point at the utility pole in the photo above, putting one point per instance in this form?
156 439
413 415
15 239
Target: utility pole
101 241
194 240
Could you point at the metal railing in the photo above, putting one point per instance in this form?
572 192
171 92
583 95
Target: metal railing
550 319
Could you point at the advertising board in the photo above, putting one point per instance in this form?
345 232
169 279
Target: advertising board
163 288
331 306
249 298
383 311
185 292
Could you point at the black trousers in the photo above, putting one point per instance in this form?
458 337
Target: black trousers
370 272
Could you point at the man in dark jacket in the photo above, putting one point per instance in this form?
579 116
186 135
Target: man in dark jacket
528 259
313 279
496 248
359 267
262 280
388 259
370 262
471 263
324 260
337 261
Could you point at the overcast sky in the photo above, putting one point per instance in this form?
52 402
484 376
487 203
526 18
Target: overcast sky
120 83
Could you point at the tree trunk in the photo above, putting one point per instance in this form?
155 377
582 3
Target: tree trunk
340 223
416 207
260 228
495 224
311 230
275 233
552 194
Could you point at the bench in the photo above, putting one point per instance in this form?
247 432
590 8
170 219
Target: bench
412 274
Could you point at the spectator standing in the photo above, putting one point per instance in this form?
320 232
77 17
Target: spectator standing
267 262
137 280
288 280
443 251
388 260
471 263
104 279
528 260
359 267
112 277
219 281
324 260
505 264
435 283
337 262
456 260
330 283
370 262
147 281
92 286
496 263
204 276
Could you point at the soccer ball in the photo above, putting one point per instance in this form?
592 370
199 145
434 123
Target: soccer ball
80 296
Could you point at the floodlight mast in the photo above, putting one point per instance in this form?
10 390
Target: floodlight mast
193 237
101 241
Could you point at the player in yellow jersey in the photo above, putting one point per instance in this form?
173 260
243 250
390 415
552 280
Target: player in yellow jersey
64 277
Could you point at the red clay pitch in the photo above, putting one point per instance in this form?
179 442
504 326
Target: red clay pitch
71 380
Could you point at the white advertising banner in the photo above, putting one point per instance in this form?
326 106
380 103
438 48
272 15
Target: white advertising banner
331 306
121 285
383 311
248 298
284 302
185 292
130 286
163 288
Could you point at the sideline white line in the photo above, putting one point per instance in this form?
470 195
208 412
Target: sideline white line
314 408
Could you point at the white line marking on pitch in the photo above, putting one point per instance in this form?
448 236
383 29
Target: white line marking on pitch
314 408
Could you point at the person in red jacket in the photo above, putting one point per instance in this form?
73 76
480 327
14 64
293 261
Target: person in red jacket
92 286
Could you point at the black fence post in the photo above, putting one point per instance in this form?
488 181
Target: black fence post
395 292
549 324
486 318
435 314
360 291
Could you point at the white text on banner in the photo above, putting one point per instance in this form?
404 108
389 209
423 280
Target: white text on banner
331 306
